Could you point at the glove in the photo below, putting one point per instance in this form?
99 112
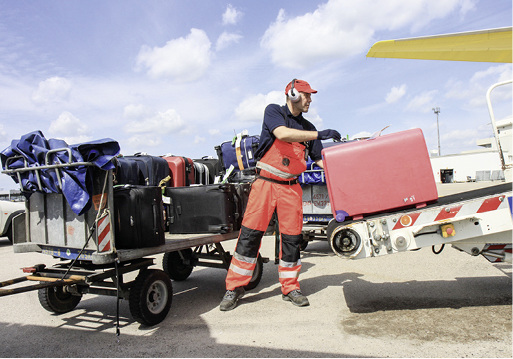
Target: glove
327 134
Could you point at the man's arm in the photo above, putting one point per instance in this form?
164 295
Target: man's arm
287 134
320 163
292 135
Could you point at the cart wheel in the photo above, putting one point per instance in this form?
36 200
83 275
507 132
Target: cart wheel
257 274
150 296
57 299
303 244
178 269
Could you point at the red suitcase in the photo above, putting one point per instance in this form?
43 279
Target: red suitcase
376 175
182 171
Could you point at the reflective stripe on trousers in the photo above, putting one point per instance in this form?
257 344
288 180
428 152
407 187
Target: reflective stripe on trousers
264 198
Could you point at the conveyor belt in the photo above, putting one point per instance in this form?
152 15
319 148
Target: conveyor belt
444 201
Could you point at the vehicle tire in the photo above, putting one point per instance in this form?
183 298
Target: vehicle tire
9 233
57 299
257 274
150 296
176 267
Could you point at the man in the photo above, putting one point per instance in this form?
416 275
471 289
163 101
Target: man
285 143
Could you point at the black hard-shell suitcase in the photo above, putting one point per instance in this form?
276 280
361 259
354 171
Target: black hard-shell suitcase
203 209
213 165
201 174
152 169
138 216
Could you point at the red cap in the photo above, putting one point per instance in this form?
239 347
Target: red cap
301 86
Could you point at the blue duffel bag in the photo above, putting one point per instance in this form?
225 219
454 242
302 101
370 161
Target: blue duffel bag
228 150
313 174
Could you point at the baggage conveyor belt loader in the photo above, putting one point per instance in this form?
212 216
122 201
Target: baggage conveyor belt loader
478 222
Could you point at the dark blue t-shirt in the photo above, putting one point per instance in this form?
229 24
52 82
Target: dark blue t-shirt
275 116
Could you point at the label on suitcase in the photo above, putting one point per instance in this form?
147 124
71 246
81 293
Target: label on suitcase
239 153
203 209
377 175
138 216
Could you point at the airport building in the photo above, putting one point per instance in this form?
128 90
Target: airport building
479 165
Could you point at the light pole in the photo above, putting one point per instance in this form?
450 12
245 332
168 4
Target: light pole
437 111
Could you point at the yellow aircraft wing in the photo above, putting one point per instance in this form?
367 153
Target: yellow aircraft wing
481 46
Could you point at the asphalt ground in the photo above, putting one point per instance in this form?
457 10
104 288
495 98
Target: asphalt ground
412 304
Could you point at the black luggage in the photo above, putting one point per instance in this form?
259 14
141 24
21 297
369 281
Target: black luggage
242 195
201 174
138 216
203 209
126 171
213 165
247 175
152 169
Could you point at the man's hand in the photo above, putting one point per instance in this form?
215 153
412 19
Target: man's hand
327 134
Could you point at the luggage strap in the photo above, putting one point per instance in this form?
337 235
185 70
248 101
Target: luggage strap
238 152
289 183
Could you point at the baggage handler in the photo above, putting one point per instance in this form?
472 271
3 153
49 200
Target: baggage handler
287 139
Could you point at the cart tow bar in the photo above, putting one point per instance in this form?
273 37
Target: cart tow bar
47 282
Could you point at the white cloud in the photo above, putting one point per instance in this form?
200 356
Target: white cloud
136 111
422 103
184 59
336 31
395 94
70 129
199 139
53 89
161 123
252 108
474 91
143 141
226 39
214 132
3 133
231 16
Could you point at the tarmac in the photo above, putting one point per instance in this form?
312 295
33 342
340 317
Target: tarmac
410 304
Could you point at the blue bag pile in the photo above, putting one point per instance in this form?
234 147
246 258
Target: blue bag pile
32 149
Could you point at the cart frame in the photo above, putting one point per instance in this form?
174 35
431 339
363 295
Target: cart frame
86 244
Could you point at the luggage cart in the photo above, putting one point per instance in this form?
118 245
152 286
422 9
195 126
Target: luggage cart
316 207
90 263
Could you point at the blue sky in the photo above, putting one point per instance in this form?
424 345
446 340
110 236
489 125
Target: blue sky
181 77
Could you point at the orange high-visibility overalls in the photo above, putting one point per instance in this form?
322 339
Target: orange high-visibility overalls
276 188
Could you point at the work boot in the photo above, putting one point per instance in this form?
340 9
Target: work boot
297 298
230 299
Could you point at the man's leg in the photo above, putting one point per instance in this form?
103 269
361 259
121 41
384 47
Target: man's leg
258 213
290 219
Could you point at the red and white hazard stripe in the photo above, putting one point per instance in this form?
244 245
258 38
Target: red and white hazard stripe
104 234
498 249
449 212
